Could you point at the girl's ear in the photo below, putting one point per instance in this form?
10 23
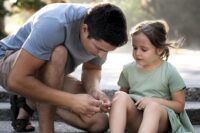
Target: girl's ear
159 51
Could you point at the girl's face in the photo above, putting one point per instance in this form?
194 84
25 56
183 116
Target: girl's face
145 53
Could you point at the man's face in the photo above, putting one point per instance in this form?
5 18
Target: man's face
94 47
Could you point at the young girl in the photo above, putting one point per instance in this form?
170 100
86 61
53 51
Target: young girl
151 98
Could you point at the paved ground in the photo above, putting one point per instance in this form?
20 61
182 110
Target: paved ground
5 127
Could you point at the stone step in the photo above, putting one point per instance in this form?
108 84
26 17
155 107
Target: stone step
60 127
192 93
192 108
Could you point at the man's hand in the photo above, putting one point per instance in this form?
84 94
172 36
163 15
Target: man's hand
105 102
86 105
91 76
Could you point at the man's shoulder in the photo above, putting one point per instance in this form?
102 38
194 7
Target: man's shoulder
62 12
65 6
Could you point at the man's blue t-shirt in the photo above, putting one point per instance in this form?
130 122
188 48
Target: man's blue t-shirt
51 26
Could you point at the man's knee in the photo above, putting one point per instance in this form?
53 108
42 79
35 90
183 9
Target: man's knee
56 63
59 55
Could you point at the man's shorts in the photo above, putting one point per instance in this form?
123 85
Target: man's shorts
5 67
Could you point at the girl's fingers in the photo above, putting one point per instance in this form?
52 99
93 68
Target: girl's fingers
138 102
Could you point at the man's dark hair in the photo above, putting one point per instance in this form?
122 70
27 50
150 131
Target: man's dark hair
107 22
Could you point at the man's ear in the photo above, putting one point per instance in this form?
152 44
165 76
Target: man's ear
84 28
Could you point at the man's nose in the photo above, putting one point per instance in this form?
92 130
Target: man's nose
101 54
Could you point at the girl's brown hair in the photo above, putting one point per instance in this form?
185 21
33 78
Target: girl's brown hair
156 31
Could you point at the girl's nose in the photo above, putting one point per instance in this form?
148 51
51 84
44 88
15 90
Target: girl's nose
137 52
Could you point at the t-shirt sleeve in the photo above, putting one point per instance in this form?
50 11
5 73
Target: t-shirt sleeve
123 79
176 82
45 35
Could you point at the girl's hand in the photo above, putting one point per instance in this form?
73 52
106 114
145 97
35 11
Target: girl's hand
143 102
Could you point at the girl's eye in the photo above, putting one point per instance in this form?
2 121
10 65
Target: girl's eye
134 48
144 50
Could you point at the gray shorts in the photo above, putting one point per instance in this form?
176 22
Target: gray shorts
5 67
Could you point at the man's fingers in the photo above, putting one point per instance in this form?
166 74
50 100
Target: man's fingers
97 103
95 106
108 104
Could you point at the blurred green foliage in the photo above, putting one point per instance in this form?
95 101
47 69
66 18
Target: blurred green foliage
32 5
133 11
3 11
29 4
182 15
132 8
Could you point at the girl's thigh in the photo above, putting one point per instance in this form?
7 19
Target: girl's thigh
134 116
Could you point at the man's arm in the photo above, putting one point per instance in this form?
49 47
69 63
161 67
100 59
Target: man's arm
91 76
22 81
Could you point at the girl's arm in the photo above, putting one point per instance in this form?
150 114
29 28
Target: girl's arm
177 103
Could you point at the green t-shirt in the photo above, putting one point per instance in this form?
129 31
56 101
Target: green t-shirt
159 83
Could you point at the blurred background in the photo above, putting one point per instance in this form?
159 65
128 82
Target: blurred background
182 16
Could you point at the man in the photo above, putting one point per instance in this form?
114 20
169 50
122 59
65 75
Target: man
50 45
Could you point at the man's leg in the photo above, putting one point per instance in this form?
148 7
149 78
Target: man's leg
97 123
5 68
52 74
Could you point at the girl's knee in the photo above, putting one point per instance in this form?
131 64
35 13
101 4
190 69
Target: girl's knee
154 107
120 96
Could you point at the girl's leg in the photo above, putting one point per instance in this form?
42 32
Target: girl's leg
124 114
155 119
